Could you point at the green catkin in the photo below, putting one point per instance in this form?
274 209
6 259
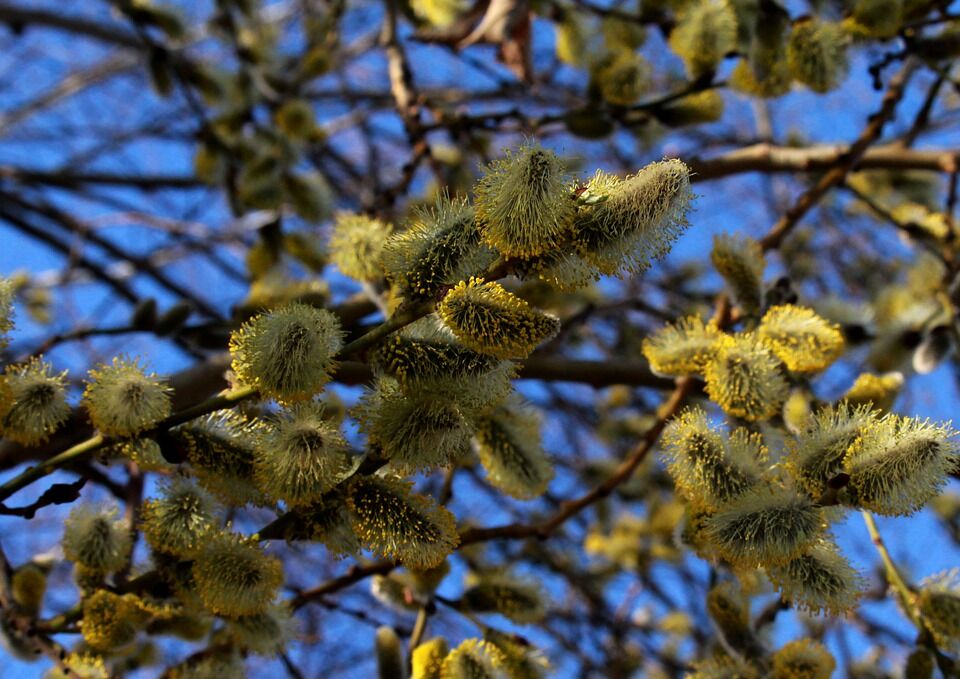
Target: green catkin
623 78
523 203
329 522
723 667
389 654
875 18
472 659
235 577
518 658
265 633
705 34
440 247
693 109
730 611
800 338
28 587
356 245
745 378
765 526
33 402
94 539
287 353
938 602
427 660
110 621
803 659
514 598
178 521
300 455
510 450
392 521
818 581
739 259
490 320
816 455
7 294
681 348
123 400
817 54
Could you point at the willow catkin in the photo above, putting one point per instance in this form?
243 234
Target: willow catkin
122 399
95 539
681 348
739 259
817 453
179 520
356 245
33 402
804 341
427 659
820 580
817 54
705 33
266 633
745 378
803 659
520 600
235 577
472 659
510 449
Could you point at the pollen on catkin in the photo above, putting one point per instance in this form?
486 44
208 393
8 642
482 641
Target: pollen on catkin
630 222
745 378
765 526
816 455
938 601
523 202
33 402
178 521
356 245
95 539
472 659
820 580
703 463
739 259
427 659
288 352
898 464
299 455
803 659
681 348
440 247
111 621
519 600
817 54
490 320
392 521
122 399
235 577
510 449
705 34
804 341
876 391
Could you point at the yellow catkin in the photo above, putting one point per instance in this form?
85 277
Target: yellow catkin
804 341
356 245
803 659
876 391
681 348
745 378
508 443
33 402
819 580
427 659
122 399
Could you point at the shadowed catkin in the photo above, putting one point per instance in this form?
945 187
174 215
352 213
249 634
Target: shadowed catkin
897 464
707 466
519 600
492 321
705 33
179 520
875 18
623 77
110 620
122 399
329 522
427 659
94 539
234 576
817 453
745 378
765 526
356 245
817 54
819 581
723 667
803 659
392 521
625 224
265 633
739 259
440 247
523 202
299 455
510 450
681 348
730 611
33 402
218 663
693 109
287 353
800 338
938 602
472 659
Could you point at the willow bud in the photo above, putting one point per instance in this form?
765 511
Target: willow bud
693 109
623 78
800 338
817 454
392 521
329 522
94 539
508 443
739 259
234 576
938 602
123 400
817 54
819 580
803 659
704 35
745 378
523 202
681 348
287 353
179 520
519 600
730 611
33 402
356 245
389 654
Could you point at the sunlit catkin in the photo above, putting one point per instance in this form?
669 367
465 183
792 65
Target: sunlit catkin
938 602
803 659
898 464
356 245
523 202
33 402
427 659
287 353
681 348
110 620
703 463
492 321
392 521
745 378
94 539
122 399
876 391
817 54
819 581
472 659
633 221
816 455
739 259
705 33
299 455
765 526
510 450
804 341
178 521
519 600
235 577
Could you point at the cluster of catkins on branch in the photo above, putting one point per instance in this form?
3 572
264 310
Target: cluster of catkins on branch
442 385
